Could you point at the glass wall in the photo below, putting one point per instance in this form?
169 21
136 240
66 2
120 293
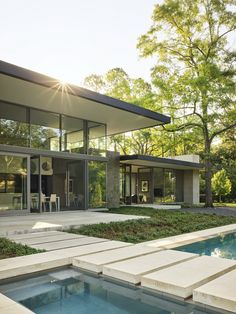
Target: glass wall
97 139
28 127
170 188
13 182
72 135
45 130
97 184
158 181
14 129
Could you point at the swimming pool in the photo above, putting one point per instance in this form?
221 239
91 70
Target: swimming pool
221 246
68 291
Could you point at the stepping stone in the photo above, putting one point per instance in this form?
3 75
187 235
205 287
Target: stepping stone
220 293
57 245
95 262
180 280
32 235
21 265
9 306
131 270
46 239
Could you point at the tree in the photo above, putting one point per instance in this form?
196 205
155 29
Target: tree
221 184
195 69
117 83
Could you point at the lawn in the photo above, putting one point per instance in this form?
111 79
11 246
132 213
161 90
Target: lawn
162 223
9 248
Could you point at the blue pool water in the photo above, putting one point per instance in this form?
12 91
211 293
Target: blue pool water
221 246
69 291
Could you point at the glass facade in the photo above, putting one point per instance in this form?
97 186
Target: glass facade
54 183
44 130
97 184
97 138
14 126
150 185
13 182
72 135
28 127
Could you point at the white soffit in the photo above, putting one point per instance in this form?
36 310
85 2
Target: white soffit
19 91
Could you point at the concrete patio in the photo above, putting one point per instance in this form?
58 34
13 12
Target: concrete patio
56 221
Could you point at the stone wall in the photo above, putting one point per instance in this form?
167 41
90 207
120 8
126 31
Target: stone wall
113 180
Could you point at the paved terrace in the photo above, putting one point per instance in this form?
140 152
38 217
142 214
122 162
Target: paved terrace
56 221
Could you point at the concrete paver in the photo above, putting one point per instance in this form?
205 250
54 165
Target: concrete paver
180 280
57 221
62 236
131 270
11 267
57 245
8 306
219 293
95 262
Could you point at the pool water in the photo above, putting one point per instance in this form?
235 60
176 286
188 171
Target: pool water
221 246
69 291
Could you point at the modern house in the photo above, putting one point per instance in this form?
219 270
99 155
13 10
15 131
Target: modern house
53 152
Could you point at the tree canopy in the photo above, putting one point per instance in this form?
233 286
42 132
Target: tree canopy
194 73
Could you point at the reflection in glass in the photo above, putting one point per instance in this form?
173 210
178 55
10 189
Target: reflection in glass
45 130
97 184
13 182
97 138
170 185
72 135
14 129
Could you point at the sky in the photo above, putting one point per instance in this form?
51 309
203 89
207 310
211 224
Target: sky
71 39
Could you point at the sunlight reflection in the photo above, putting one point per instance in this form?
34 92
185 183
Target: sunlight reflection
42 224
216 253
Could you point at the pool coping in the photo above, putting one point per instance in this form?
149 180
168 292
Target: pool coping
165 243
192 237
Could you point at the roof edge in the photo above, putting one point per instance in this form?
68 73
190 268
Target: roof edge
46 81
162 160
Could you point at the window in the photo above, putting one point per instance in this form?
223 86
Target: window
14 127
72 135
45 130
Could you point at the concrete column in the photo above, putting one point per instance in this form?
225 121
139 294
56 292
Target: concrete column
191 186
113 180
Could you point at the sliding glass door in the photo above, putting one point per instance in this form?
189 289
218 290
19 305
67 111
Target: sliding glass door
14 181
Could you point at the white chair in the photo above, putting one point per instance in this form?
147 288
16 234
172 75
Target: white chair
43 201
53 200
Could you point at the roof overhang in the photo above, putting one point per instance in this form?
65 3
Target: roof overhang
28 88
151 161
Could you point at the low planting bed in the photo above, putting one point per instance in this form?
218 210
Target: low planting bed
161 224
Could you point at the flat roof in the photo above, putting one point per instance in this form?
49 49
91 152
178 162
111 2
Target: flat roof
159 162
29 88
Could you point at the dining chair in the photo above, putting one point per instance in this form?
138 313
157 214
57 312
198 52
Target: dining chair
53 200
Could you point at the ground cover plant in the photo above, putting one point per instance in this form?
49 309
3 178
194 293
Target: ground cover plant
161 224
9 248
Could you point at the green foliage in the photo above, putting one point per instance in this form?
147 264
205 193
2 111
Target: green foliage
96 198
195 70
9 248
221 184
161 224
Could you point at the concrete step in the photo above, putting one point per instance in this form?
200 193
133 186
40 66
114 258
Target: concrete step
131 270
95 262
46 239
219 293
22 265
57 245
180 280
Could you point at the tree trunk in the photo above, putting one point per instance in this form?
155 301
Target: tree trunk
208 174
